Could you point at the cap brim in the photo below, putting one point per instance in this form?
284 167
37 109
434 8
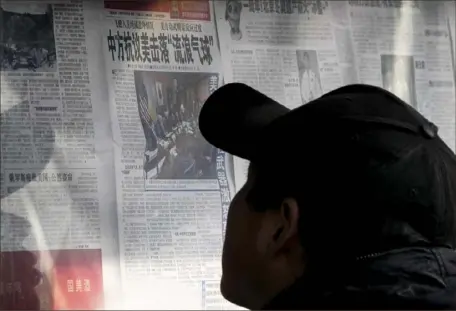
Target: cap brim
234 117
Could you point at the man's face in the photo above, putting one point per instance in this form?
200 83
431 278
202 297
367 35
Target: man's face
255 261
305 60
233 10
242 261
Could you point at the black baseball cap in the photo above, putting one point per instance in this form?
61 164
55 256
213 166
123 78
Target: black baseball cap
376 160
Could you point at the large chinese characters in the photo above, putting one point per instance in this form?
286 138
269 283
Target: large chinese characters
149 48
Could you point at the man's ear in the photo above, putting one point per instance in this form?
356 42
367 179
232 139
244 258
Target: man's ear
285 230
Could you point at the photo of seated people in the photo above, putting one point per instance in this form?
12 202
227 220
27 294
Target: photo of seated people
168 106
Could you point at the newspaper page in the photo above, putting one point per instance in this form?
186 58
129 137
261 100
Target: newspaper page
173 188
50 203
405 47
285 49
295 51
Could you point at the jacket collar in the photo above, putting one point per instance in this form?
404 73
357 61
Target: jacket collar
408 278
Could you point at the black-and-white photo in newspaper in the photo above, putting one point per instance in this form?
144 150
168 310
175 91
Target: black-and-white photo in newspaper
27 36
175 148
233 17
309 75
398 75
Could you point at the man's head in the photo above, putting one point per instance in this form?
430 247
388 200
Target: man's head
304 60
372 176
233 12
262 253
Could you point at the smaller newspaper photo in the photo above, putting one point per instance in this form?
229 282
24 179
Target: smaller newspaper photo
27 39
309 75
64 279
233 17
168 106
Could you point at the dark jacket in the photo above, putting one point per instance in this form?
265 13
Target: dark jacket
409 278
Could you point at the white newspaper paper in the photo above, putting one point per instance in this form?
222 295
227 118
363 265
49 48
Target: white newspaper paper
173 188
296 51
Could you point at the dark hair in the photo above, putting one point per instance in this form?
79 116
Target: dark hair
271 186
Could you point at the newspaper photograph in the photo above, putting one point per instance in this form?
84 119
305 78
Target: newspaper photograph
168 106
27 37
309 75
53 280
173 188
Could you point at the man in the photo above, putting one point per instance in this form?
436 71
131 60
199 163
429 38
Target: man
147 124
362 217
183 161
233 16
167 122
310 85
159 128
175 97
